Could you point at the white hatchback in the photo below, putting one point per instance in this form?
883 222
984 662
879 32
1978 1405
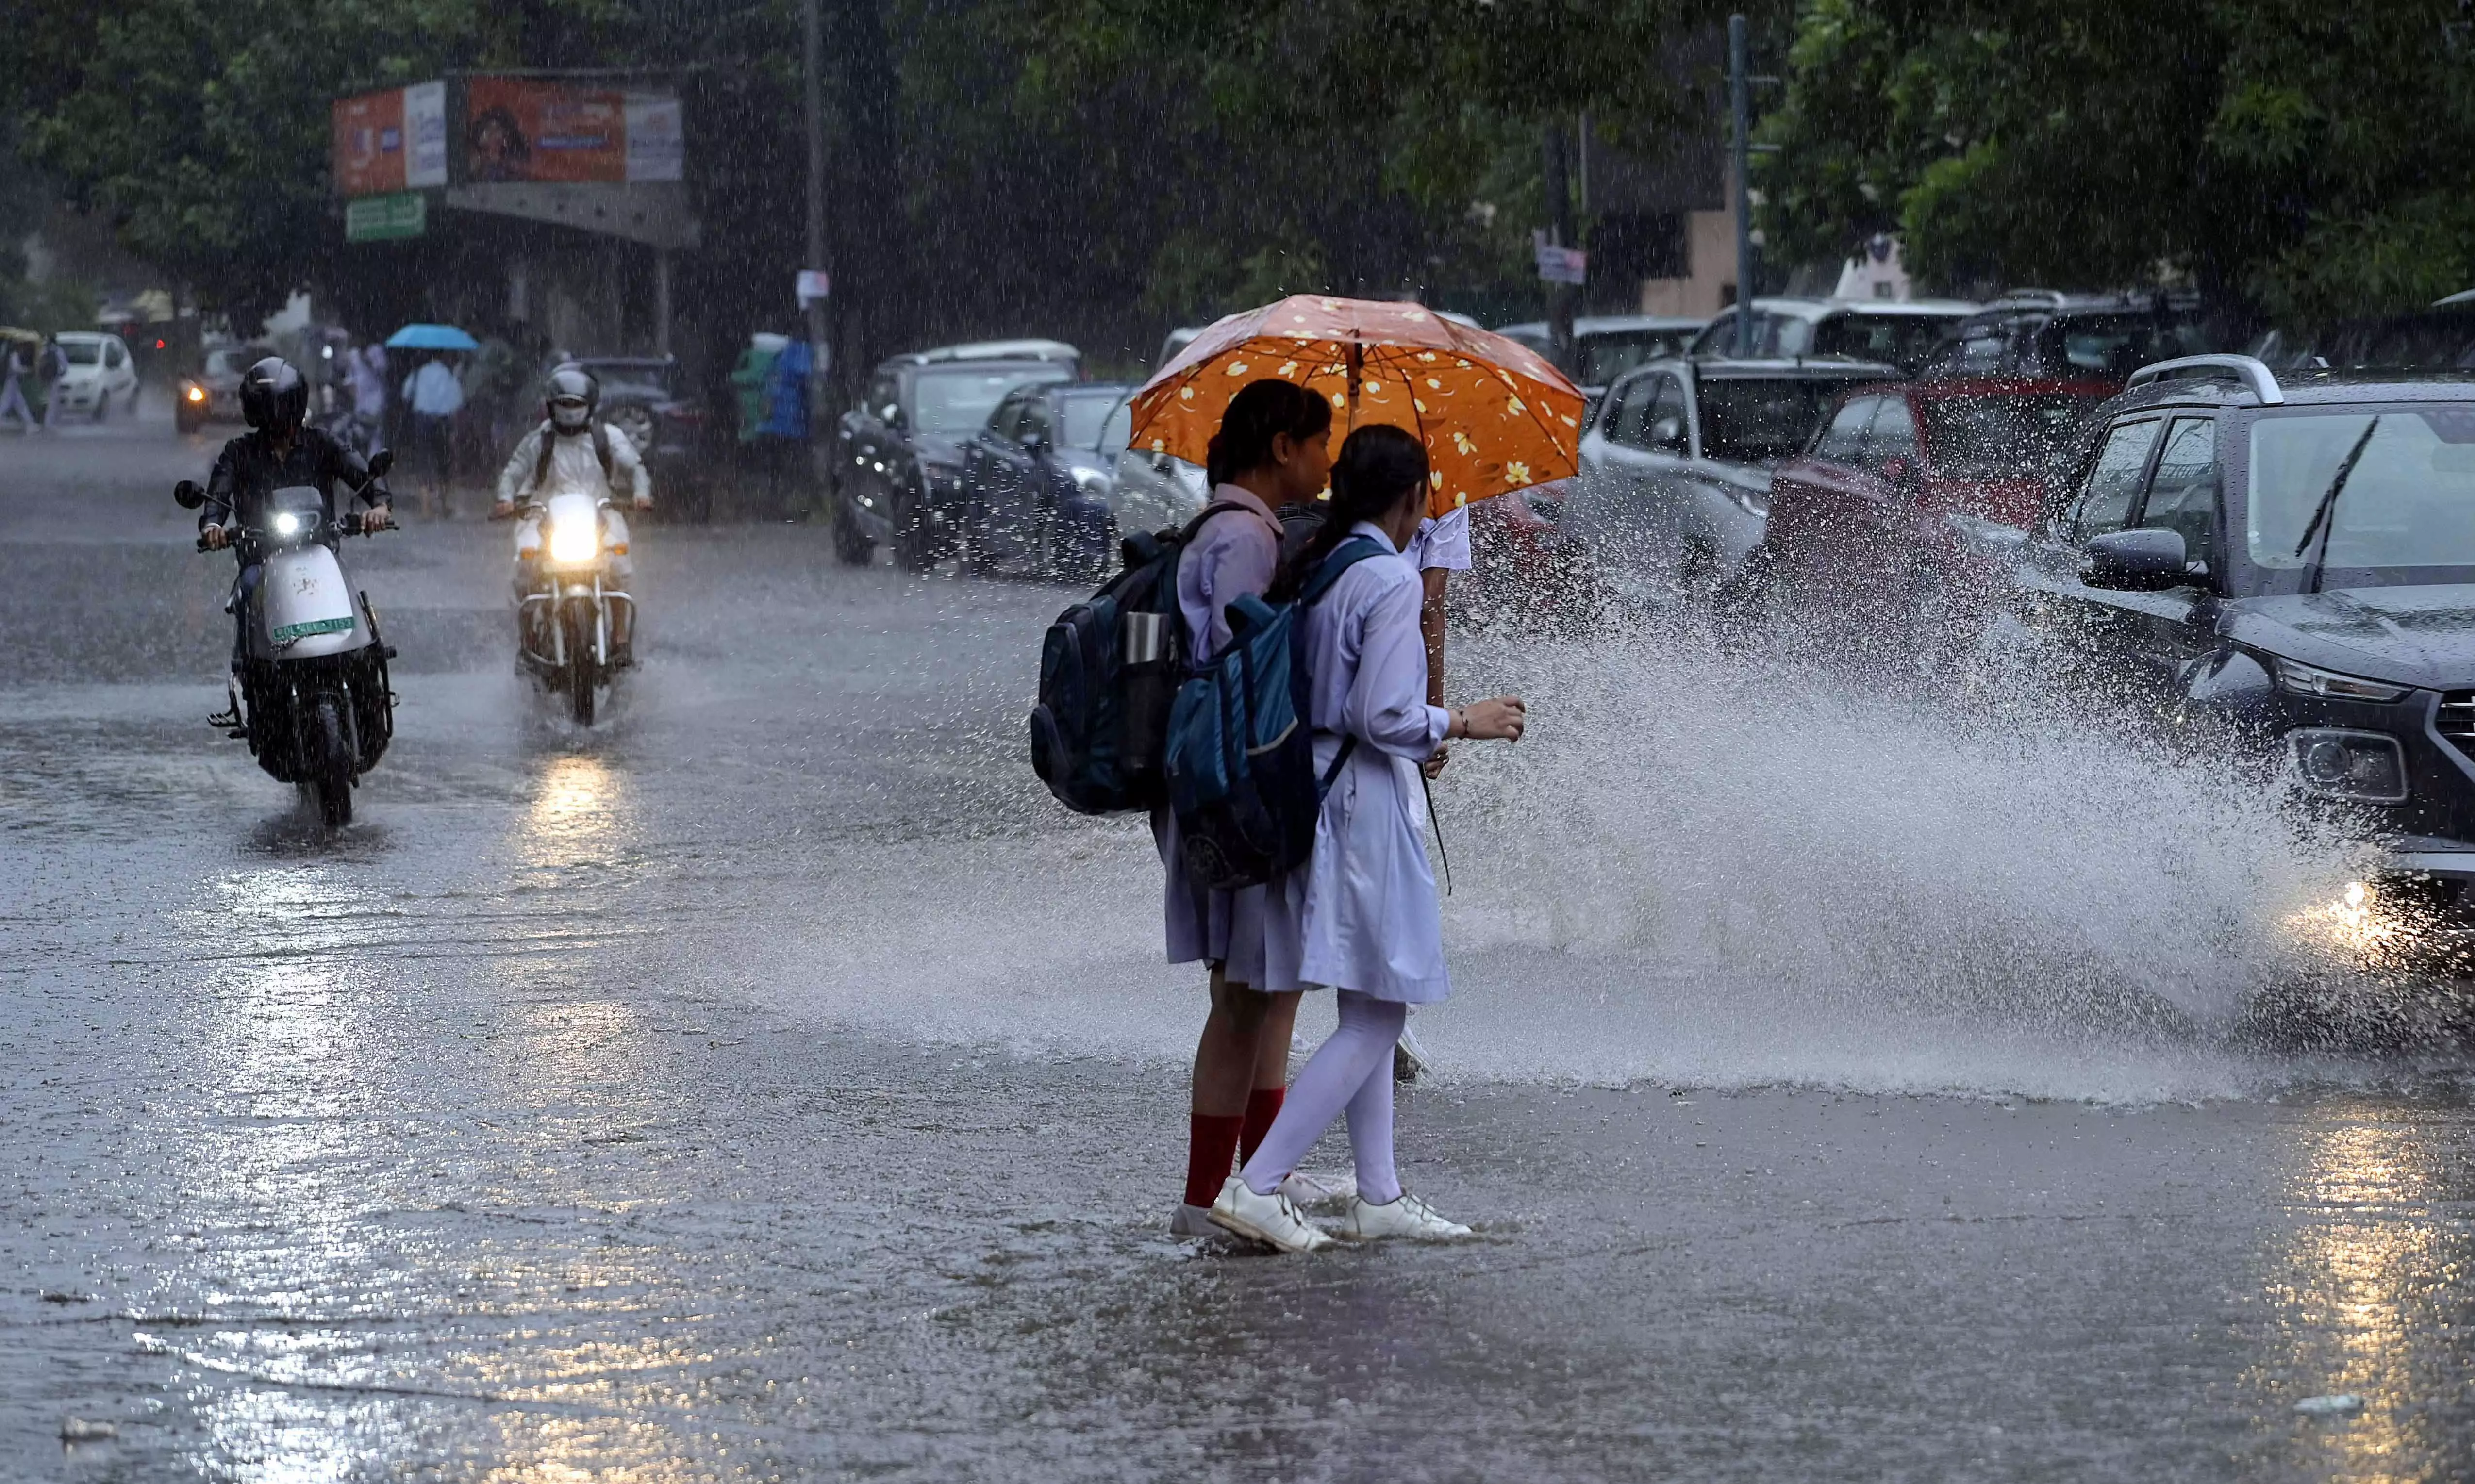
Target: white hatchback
100 369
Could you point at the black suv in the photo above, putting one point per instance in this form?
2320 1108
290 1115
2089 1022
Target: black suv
2295 560
2037 333
897 459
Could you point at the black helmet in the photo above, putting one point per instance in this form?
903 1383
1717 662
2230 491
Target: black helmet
274 398
574 387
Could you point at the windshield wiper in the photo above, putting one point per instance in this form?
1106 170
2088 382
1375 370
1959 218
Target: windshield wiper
2324 517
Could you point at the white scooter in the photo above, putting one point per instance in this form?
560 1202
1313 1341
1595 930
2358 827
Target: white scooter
312 697
565 619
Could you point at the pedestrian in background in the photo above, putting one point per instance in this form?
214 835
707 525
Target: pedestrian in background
435 396
13 368
782 438
51 367
1272 451
1363 907
366 369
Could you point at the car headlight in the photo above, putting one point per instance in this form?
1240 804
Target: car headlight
575 541
2299 679
2366 767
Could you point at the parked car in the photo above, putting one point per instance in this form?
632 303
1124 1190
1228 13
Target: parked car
214 394
100 369
2036 332
2282 566
2438 338
1912 501
1899 332
1037 480
1606 345
648 398
897 456
1675 479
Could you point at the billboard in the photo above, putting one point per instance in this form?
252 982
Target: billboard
390 141
526 129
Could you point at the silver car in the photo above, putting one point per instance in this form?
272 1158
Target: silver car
1675 479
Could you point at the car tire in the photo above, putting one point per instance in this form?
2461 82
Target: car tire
851 545
914 537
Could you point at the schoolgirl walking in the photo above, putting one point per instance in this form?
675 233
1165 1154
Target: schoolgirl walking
1361 916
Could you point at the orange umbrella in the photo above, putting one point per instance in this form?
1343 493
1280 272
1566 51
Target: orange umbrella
1493 414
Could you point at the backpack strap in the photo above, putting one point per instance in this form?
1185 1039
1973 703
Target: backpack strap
541 461
1341 559
602 452
1218 507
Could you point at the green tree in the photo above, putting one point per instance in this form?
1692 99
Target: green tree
2311 159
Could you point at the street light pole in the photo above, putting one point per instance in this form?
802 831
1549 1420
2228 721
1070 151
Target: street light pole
1741 107
815 49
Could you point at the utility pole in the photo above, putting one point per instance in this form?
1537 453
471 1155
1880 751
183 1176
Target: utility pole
1741 107
1560 232
815 49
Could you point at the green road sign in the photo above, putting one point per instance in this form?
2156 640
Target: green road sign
385 218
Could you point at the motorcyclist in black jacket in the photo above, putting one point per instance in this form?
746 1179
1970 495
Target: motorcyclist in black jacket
279 452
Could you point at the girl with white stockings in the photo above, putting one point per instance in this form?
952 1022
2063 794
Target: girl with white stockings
1364 908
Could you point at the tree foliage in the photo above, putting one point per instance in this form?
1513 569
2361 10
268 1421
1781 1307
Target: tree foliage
2311 159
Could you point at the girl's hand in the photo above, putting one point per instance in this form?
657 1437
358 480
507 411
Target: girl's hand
1433 767
1501 718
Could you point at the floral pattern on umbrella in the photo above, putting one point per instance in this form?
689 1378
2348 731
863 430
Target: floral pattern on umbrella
1493 414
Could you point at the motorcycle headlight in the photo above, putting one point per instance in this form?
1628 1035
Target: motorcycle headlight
575 541
2367 767
2299 679
194 392
287 525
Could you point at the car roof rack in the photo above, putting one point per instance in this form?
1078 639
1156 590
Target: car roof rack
2250 369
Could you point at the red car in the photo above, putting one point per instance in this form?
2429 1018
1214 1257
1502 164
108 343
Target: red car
1912 497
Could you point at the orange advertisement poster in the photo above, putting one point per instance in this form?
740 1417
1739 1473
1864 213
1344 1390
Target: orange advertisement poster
369 143
520 129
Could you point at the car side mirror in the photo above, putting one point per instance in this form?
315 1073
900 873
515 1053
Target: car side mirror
380 462
1035 442
2137 561
892 414
188 495
1667 433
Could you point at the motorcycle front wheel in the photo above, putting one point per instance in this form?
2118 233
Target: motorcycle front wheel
583 671
329 766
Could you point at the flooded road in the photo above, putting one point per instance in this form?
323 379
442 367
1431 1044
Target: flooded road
775 1083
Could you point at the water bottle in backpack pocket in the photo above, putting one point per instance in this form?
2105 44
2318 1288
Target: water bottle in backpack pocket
1241 748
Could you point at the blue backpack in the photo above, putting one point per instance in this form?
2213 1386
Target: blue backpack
1109 669
1241 760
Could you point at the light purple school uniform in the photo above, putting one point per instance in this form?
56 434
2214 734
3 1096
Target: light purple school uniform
1233 555
1363 915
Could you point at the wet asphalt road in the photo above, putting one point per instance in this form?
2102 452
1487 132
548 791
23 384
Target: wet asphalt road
773 1084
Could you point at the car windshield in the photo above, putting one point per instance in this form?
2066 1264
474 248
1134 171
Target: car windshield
1093 422
2406 513
81 353
1904 340
1996 434
1605 357
959 401
1763 420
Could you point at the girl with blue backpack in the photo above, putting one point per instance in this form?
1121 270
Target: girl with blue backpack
1272 451
1361 915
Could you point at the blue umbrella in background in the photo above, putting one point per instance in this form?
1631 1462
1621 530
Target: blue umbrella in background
432 337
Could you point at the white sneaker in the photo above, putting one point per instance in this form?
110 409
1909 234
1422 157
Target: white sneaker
1305 1190
1272 1219
1407 1217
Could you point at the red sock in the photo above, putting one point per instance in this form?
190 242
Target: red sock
1262 1106
1212 1141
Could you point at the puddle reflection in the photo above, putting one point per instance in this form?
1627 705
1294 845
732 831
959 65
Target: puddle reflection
2371 1302
582 816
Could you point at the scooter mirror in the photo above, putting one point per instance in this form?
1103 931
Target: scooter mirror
380 462
187 494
